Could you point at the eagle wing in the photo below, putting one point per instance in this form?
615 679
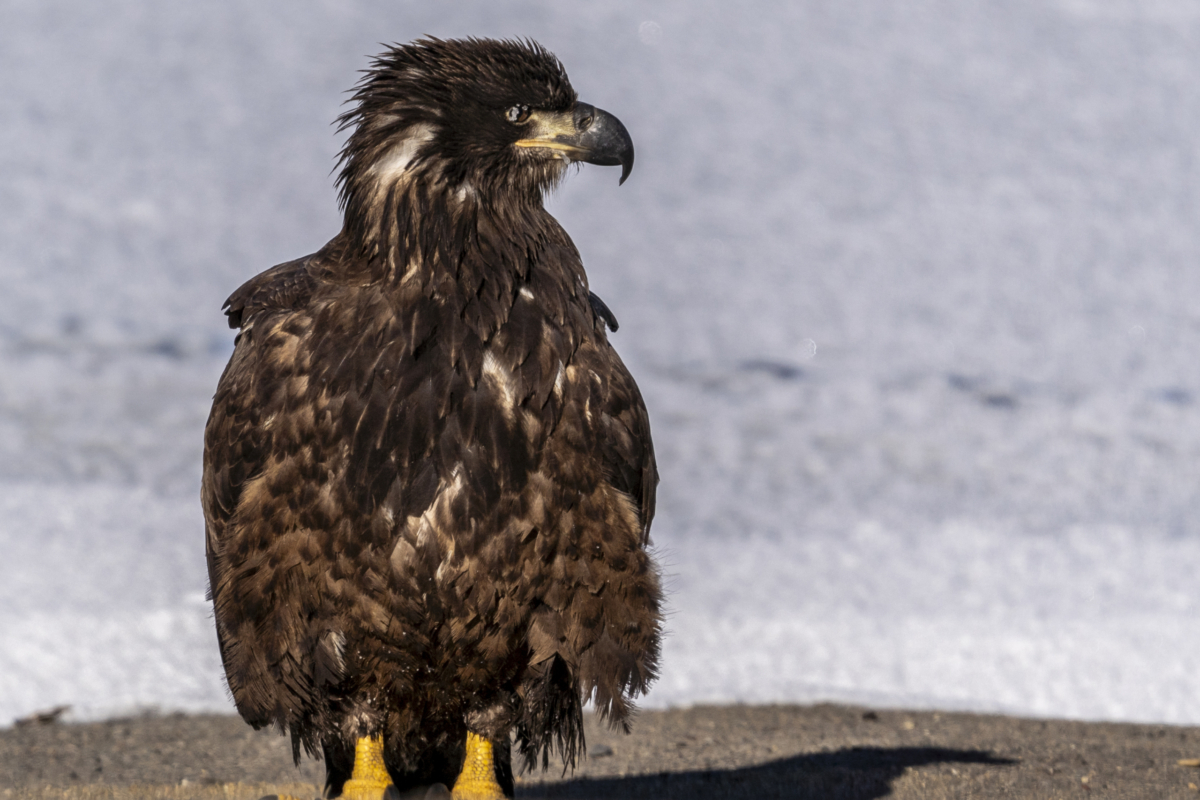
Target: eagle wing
239 446
626 450
239 455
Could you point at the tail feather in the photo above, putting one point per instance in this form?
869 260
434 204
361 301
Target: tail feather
551 716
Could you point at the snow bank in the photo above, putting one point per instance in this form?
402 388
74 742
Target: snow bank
909 290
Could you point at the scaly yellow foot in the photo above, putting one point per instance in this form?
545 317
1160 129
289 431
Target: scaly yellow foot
369 780
477 781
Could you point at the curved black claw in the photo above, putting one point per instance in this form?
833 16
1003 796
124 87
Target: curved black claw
603 311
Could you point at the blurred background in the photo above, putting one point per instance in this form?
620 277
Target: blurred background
911 291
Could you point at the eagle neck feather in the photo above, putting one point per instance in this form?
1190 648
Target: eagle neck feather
417 226
460 248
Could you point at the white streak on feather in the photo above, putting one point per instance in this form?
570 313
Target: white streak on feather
334 643
394 163
559 379
423 528
503 380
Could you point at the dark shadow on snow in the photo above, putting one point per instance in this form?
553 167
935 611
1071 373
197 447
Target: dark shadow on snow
858 773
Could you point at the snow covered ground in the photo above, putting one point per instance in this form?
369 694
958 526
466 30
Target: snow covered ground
911 290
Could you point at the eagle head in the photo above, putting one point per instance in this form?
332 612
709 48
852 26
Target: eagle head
492 120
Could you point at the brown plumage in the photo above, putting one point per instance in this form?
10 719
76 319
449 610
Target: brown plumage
428 477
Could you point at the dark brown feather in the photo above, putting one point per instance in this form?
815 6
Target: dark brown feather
428 478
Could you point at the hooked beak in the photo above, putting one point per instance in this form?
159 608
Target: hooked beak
585 133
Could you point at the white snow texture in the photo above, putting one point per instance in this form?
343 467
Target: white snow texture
911 290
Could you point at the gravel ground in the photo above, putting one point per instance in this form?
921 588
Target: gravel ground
823 751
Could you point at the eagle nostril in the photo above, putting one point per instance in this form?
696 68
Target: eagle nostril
585 115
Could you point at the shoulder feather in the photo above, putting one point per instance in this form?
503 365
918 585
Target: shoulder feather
283 286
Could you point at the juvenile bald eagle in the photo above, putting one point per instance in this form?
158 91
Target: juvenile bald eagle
428 478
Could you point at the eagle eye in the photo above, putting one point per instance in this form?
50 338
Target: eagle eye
517 114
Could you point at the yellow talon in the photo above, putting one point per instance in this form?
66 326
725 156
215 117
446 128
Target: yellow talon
370 779
477 781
